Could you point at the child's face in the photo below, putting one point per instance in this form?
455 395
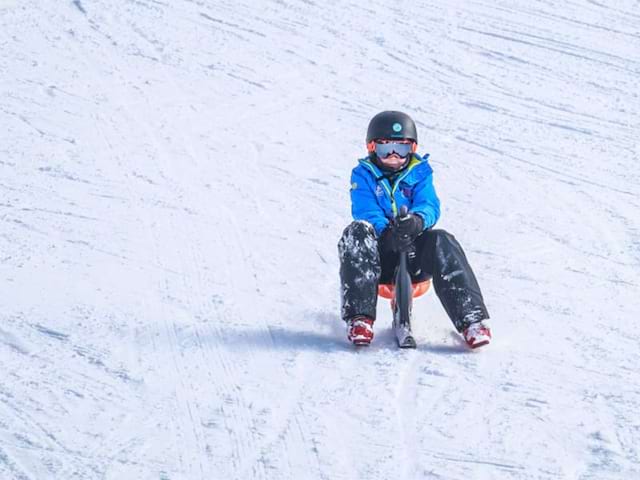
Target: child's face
393 154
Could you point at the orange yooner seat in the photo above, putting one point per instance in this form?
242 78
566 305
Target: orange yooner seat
420 288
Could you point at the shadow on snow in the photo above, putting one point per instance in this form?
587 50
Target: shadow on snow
328 334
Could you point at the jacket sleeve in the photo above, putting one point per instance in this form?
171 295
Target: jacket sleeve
426 202
364 204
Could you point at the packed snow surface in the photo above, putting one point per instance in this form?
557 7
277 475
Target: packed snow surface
174 178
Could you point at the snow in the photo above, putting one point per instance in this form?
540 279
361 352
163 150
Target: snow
174 178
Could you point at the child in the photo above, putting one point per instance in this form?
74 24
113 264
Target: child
392 176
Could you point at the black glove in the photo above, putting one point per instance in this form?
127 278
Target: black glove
401 233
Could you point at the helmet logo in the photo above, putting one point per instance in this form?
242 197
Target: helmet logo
397 127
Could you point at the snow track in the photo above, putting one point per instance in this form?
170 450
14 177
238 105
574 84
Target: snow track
173 182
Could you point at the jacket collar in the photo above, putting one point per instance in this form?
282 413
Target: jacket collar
381 175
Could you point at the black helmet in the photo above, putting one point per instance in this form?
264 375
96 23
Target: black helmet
392 125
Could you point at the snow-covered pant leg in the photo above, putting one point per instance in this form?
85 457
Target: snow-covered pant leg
440 254
359 270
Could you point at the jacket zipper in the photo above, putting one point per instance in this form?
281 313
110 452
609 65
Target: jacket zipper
391 193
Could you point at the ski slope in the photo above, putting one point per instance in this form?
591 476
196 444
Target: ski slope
174 179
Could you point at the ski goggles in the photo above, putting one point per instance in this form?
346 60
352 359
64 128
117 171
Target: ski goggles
383 150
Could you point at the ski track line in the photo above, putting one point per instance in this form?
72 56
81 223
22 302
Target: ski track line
70 459
289 405
243 255
150 303
112 442
164 233
194 272
406 396
189 435
241 283
245 422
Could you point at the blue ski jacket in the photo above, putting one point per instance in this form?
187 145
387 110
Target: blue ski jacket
375 199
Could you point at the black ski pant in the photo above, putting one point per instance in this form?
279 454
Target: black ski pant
438 256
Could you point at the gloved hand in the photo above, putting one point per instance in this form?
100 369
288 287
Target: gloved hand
401 233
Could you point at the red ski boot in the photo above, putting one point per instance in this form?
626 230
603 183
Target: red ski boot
360 330
477 334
